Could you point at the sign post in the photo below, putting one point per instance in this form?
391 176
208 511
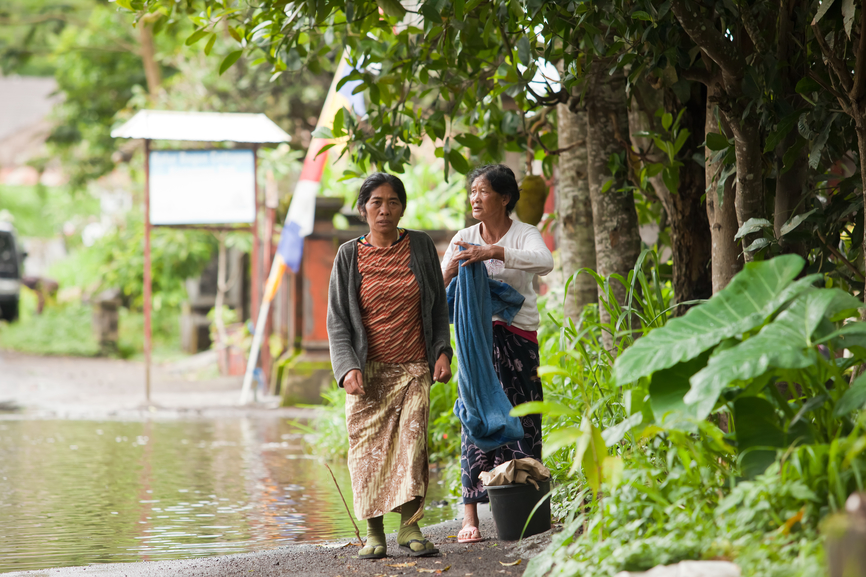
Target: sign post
207 189
148 282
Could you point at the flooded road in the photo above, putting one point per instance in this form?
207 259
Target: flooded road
76 492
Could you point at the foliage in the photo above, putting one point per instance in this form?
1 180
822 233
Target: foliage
752 490
661 516
116 260
433 203
59 330
42 211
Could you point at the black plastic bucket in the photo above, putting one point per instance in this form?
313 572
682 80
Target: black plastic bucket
511 506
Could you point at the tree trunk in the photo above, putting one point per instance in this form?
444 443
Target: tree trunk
614 218
789 189
749 200
690 228
575 238
148 59
791 185
726 259
691 243
860 123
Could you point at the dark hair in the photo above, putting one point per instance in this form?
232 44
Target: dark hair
502 181
376 180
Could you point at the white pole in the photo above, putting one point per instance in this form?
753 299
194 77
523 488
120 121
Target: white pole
254 351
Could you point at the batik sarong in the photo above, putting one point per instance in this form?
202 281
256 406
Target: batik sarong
515 360
388 438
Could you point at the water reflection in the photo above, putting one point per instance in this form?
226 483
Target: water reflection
80 492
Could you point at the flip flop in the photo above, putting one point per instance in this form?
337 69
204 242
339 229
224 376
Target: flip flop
423 552
475 535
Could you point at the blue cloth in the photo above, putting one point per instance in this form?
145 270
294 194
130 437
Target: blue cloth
482 406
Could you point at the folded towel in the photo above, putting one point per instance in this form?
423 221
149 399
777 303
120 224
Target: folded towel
482 406
516 472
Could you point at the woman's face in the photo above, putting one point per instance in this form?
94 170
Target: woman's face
486 203
383 210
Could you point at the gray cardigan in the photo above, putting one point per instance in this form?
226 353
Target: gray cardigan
346 335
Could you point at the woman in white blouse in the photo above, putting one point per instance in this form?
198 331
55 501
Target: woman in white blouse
514 253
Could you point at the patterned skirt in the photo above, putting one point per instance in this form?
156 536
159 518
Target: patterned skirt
388 438
515 360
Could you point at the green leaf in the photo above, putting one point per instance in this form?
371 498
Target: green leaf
523 51
752 225
853 399
807 85
820 142
794 222
209 46
641 15
125 4
717 141
750 297
666 391
229 60
667 120
392 8
560 438
671 178
470 141
337 128
196 36
458 162
549 408
613 435
758 244
779 345
323 132
822 10
612 469
593 457
784 127
758 434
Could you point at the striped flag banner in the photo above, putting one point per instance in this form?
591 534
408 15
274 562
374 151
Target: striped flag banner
302 210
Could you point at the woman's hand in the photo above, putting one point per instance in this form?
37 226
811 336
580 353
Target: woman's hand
442 369
475 253
353 382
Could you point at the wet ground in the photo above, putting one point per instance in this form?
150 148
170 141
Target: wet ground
91 475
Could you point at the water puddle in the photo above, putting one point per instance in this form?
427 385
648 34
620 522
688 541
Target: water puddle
81 492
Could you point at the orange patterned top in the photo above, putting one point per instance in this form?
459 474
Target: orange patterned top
390 302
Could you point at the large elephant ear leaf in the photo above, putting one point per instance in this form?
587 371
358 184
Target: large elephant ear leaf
752 296
666 391
781 344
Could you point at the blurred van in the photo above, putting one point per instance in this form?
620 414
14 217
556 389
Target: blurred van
11 258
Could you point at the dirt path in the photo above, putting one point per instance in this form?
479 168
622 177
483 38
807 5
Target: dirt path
81 388
490 558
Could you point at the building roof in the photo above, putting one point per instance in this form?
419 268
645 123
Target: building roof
202 127
24 102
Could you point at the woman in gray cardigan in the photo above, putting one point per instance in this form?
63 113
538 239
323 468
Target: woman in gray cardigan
389 339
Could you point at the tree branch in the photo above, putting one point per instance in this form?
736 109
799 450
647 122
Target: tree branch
752 28
811 74
836 65
711 41
860 65
701 75
844 260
